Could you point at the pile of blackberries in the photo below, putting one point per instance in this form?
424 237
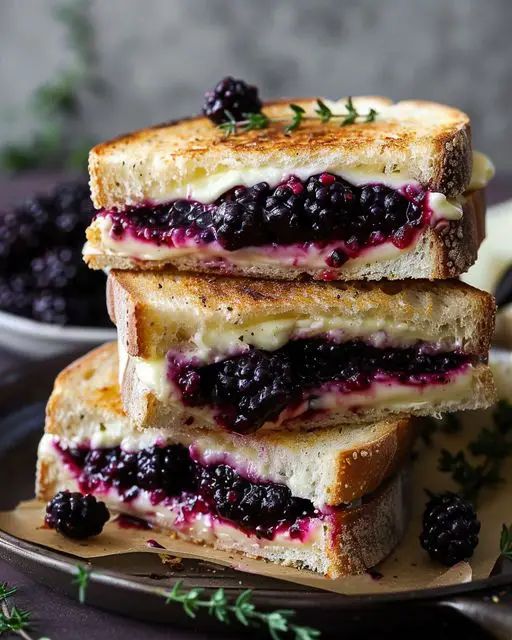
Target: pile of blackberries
42 274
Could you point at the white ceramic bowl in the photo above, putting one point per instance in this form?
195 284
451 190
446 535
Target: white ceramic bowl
39 340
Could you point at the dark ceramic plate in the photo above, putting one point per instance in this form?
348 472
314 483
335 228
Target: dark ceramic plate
133 587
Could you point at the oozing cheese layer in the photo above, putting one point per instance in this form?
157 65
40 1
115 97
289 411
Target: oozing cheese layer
153 376
307 256
201 527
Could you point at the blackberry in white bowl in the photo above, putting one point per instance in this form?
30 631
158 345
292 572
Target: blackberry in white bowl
49 301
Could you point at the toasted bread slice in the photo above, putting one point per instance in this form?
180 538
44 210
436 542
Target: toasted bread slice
426 142
347 541
169 323
419 151
328 467
159 311
439 252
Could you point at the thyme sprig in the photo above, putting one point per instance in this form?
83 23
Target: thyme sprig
480 466
298 115
82 580
12 619
506 541
243 610
429 426
55 106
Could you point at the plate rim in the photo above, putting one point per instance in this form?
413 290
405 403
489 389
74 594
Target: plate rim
67 563
45 331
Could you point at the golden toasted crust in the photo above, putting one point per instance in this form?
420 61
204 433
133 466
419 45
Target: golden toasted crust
429 140
445 251
156 311
89 386
72 385
371 465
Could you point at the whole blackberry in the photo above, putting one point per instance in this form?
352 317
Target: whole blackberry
75 515
234 96
329 205
450 528
73 212
56 269
24 231
169 469
237 225
50 307
256 506
283 214
253 388
16 294
388 210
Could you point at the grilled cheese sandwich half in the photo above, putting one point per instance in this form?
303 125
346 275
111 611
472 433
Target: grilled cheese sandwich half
253 354
332 501
397 197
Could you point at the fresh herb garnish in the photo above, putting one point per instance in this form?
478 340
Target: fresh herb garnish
82 580
448 423
298 115
243 609
506 541
55 106
481 465
12 619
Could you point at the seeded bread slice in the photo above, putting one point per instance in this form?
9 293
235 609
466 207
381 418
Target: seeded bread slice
158 311
335 465
348 541
426 141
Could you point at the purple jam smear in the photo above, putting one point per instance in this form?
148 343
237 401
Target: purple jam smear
250 389
172 477
125 521
319 210
154 544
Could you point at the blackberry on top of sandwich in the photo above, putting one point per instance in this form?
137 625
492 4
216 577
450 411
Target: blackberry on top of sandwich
373 190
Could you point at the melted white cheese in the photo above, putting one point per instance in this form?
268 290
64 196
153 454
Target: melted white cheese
483 171
207 188
310 257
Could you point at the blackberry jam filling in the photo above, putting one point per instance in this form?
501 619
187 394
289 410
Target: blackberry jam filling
255 387
322 209
168 473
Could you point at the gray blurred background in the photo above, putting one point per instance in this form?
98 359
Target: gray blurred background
152 59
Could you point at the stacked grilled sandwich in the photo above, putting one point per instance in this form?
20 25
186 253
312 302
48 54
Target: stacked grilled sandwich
264 402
